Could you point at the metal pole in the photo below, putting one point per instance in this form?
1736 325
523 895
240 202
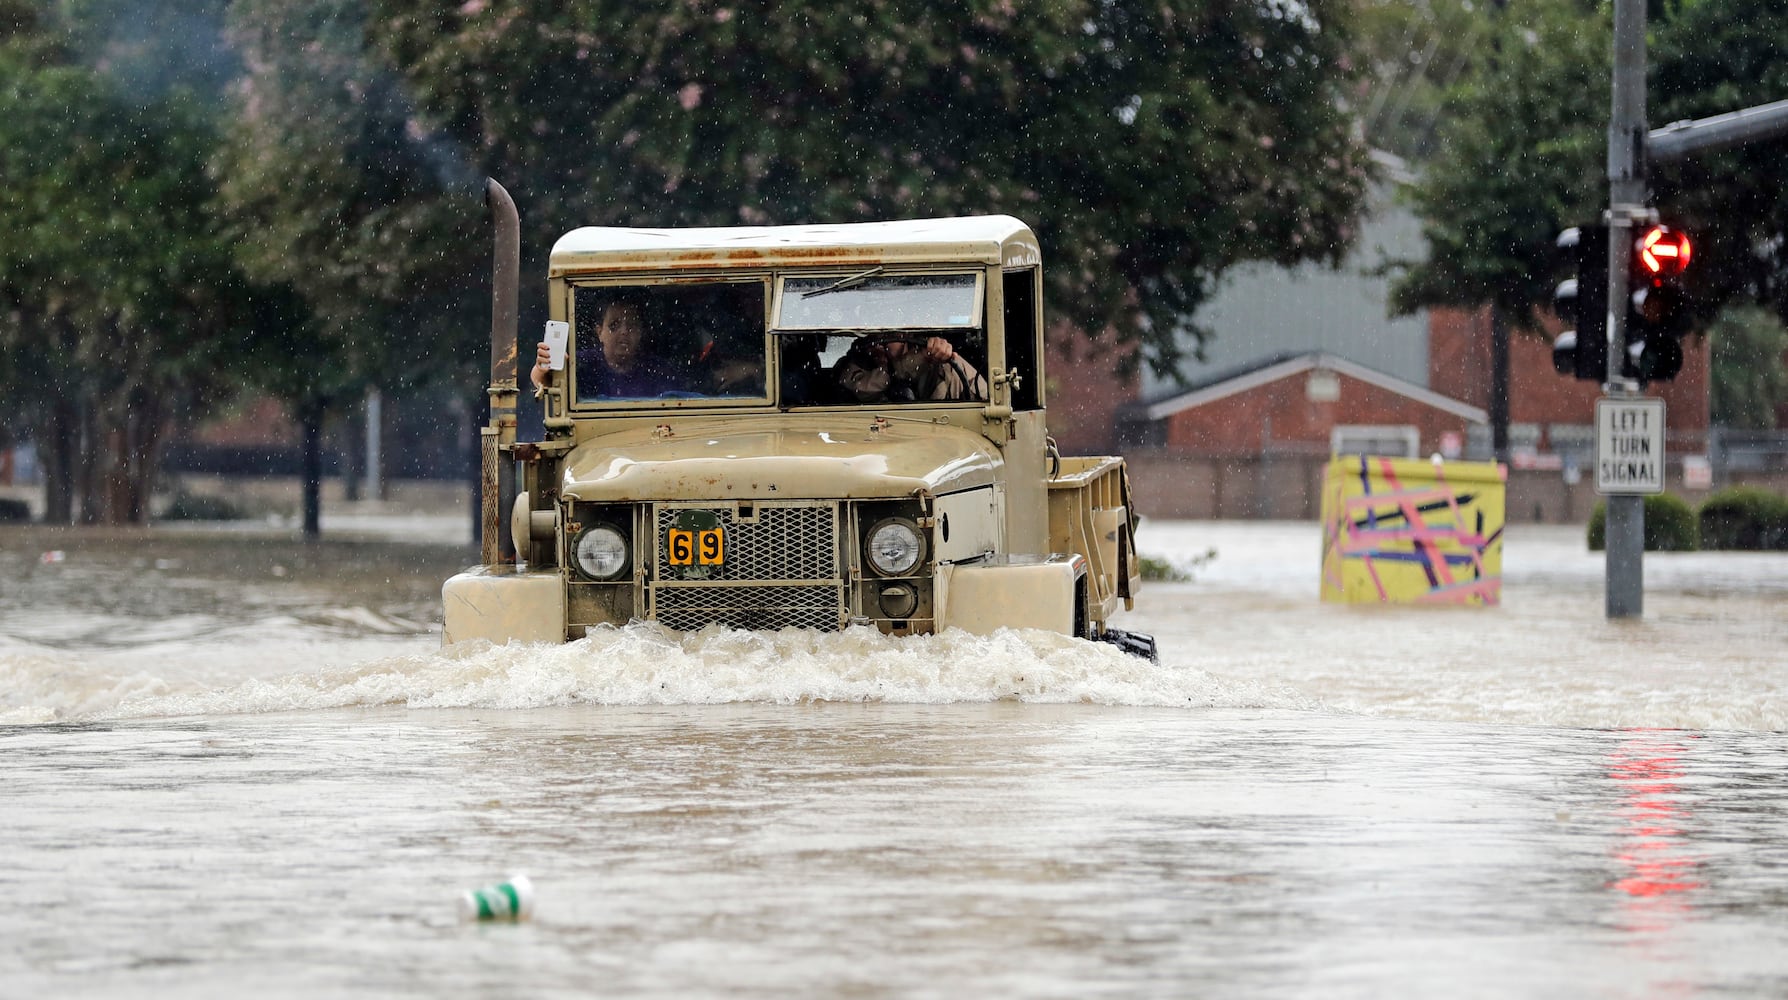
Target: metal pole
1624 571
1499 384
375 429
1499 323
1705 135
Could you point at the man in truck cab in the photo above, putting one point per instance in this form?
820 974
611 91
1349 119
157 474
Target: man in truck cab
898 369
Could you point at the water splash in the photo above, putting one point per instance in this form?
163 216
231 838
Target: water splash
643 664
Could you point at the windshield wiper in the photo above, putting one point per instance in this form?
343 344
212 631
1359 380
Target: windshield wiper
845 282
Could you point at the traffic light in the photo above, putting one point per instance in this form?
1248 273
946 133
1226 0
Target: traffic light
1583 300
1659 311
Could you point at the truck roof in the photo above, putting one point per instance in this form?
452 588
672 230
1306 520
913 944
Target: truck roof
987 239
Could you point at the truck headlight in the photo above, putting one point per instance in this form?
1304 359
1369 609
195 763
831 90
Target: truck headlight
894 547
600 551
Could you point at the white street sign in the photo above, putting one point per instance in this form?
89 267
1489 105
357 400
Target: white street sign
1697 472
1629 446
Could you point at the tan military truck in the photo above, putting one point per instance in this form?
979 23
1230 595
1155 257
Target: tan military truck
792 426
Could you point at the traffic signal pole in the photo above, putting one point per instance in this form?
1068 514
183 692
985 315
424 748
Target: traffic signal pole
1624 584
1706 135
1630 438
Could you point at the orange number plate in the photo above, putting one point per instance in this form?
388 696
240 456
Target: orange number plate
697 548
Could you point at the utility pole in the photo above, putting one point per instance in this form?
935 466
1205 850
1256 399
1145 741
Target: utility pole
1499 324
375 437
1625 565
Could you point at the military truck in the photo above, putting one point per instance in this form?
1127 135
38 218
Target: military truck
814 426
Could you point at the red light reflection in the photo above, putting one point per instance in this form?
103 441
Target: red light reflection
1648 770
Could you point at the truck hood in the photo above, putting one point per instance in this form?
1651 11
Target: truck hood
832 457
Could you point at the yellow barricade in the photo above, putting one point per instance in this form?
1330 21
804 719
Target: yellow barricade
1407 531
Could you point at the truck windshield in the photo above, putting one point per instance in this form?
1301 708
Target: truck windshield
872 301
669 341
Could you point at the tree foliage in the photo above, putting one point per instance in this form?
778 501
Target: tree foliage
1520 157
335 190
117 297
1750 368
1708 59
1153 146
1412 53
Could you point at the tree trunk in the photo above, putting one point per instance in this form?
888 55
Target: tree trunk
148 429
122 456
58 447
310 417
88 472
114 481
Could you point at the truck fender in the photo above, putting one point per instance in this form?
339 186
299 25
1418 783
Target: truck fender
1015 591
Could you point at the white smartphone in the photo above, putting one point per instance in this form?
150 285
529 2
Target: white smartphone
556 335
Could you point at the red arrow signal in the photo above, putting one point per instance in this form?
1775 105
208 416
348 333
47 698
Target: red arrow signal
1663 252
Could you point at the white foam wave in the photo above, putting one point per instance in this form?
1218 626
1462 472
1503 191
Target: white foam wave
645 665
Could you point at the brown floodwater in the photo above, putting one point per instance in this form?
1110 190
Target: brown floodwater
234 763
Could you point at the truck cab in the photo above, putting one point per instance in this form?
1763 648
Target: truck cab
800 426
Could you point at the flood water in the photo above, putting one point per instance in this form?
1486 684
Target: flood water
238 765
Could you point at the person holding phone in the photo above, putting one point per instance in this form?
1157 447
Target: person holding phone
619 364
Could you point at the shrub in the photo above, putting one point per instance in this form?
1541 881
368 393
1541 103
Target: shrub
1745 517
200 507
1151 568
1669 525
1168 571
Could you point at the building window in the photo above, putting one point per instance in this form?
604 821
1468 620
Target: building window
1323 386
1389 441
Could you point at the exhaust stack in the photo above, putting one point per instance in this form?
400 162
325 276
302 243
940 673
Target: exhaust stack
497 466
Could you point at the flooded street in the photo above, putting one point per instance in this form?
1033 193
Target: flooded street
242 766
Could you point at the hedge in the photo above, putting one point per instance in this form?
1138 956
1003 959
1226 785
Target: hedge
1745 517
1669 525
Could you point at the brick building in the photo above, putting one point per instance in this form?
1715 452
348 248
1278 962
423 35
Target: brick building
1549 413
1085 390
1305 402
1254 441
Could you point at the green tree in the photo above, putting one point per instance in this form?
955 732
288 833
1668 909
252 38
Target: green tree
117 297
337 193
1750 368
1519 158
1412 53
1152 145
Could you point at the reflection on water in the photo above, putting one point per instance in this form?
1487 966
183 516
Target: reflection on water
236 781
1648 768
1658 879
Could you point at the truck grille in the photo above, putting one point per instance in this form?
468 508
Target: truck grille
782 544
781 569
686 609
